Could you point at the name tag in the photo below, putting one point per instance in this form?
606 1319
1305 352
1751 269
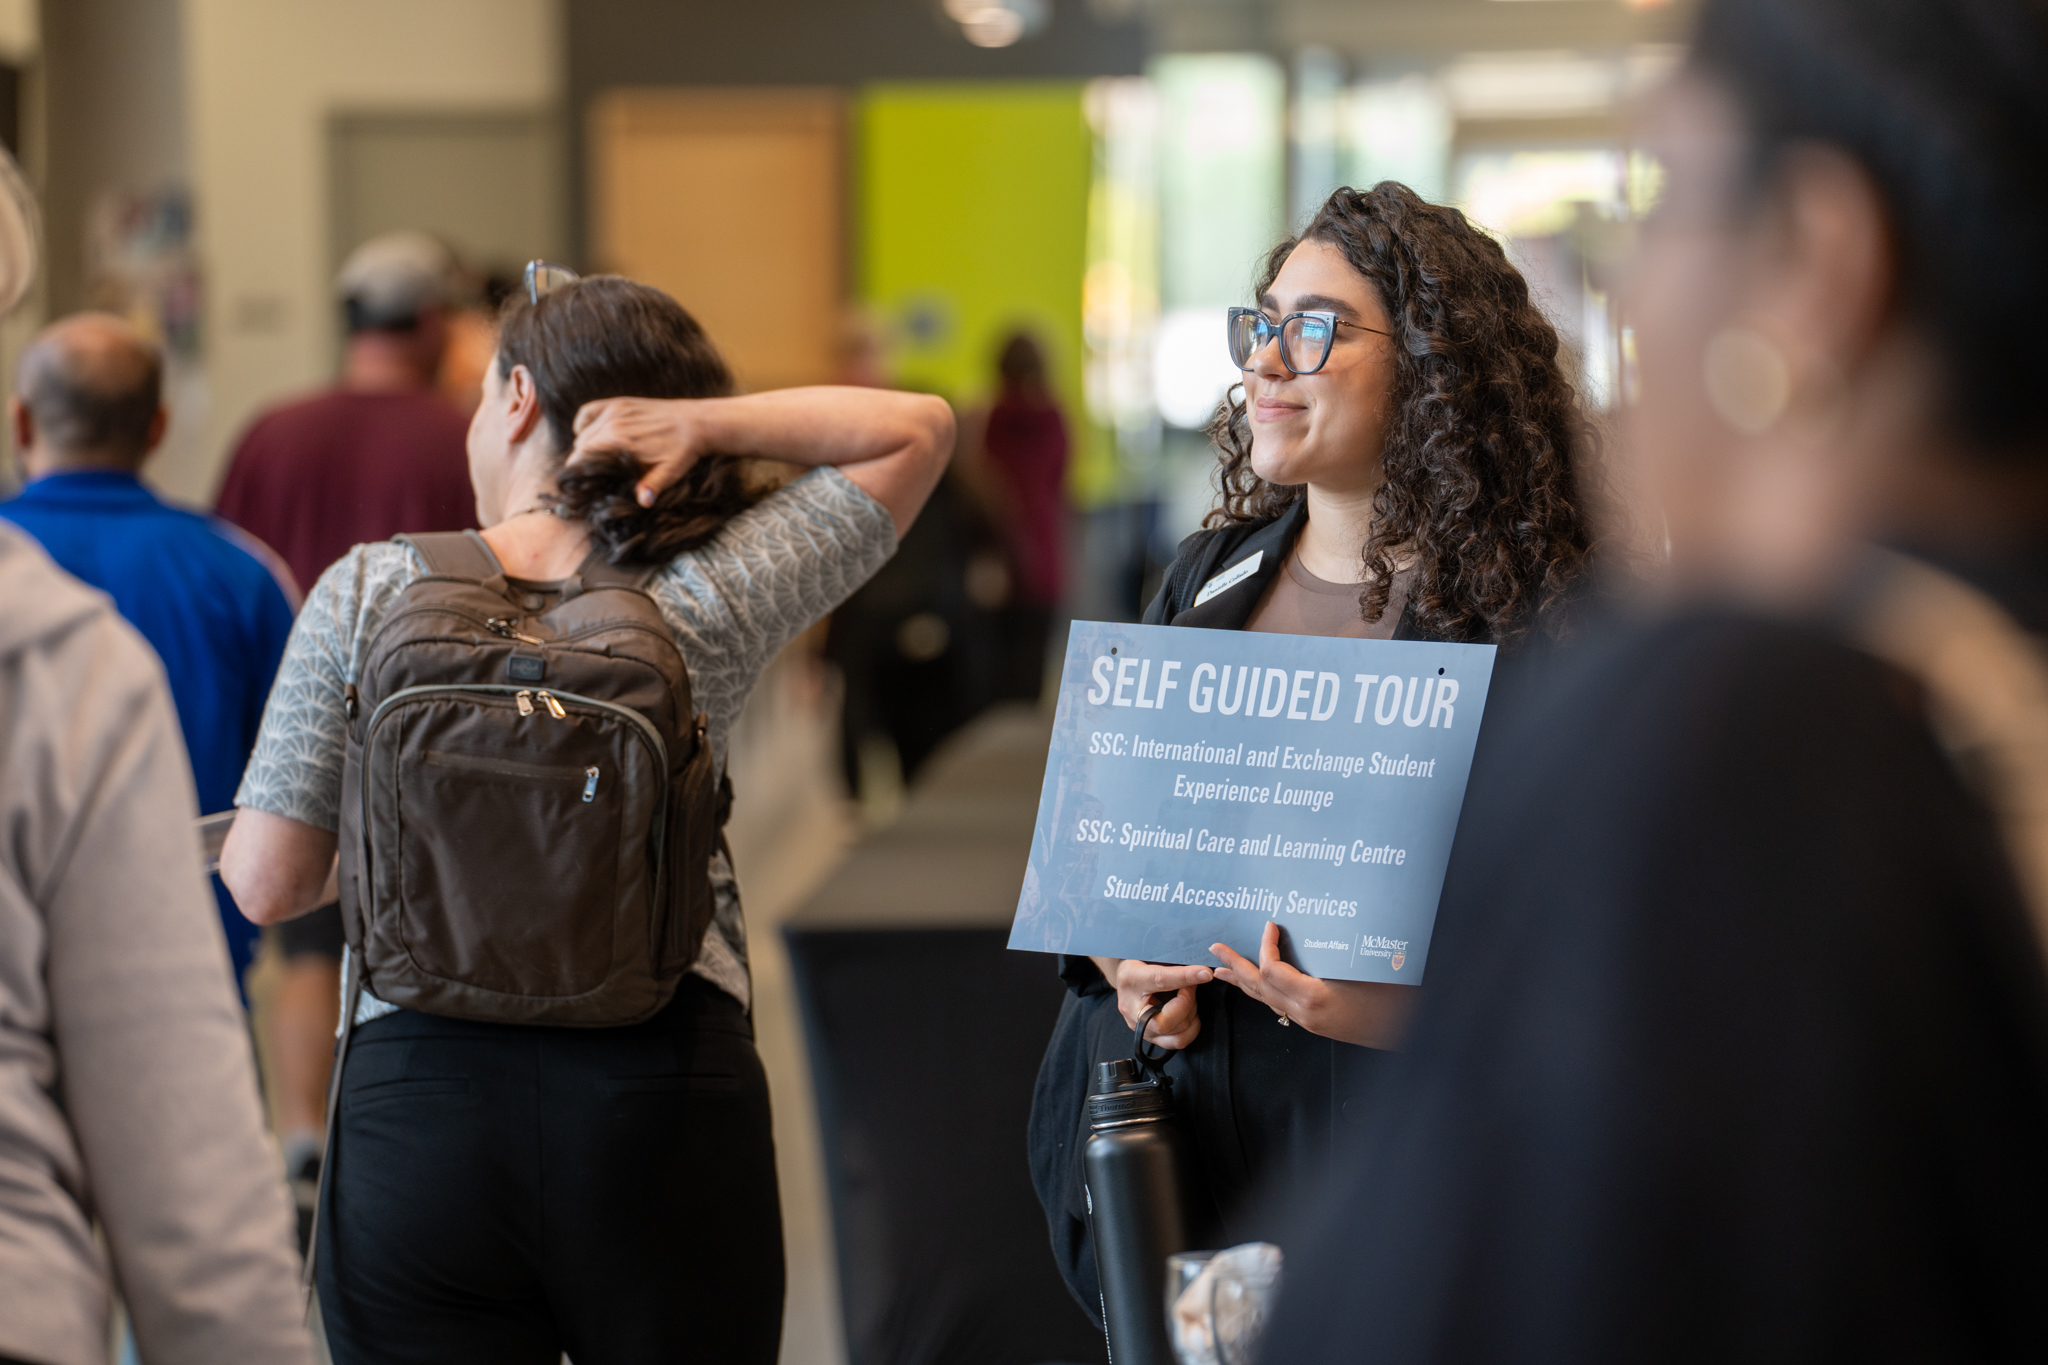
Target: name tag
1230 577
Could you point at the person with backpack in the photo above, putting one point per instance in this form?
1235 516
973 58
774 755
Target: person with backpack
551 1130
1406 462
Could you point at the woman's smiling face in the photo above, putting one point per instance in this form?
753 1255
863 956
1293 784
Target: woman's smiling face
1325 428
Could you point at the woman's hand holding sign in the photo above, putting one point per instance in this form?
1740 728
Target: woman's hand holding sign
1137 981
1368 1013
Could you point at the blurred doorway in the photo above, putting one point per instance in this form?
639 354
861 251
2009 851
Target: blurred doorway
489 184
732 201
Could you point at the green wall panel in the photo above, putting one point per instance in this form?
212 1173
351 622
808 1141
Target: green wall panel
973 209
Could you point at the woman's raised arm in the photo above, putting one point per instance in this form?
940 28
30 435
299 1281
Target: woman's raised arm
893 445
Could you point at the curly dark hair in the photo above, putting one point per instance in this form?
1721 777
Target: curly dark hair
609 337
1482 463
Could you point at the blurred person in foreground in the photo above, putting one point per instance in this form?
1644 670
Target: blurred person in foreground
381 453
215 605
1023 447
132 1152
1736 1046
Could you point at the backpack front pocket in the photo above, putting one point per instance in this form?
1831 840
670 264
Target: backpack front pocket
508 876
513 840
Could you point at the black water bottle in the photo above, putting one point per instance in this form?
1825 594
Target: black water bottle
1137 1168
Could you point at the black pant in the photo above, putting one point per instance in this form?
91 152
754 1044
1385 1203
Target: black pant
503 1194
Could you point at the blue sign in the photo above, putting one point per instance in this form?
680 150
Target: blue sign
1203 782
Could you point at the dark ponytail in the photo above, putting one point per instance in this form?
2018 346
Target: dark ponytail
608 337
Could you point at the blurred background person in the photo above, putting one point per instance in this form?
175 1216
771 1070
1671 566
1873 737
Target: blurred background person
1022 446
479 295
379 454
214 603
1737 1036
918 646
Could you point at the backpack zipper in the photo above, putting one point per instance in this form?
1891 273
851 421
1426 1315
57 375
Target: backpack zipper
645 726
590 783
502 625
656 837
487 622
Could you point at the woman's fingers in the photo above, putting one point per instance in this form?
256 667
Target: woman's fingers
1273 968
1235 965
1239 971
1270 981
1178 1018
596 427
1175 1026
1138 982
1137 975
652 431
1281 977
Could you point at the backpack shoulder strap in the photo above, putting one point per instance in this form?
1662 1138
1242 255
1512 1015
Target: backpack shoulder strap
598 572
458 554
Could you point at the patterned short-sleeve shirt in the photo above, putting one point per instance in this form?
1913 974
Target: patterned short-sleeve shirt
732 604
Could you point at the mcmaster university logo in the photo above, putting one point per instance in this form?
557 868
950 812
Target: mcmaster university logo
1397 960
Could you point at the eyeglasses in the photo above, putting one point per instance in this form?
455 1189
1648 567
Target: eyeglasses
1305 338
545 277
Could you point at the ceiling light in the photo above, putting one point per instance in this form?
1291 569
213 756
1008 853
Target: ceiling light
997 23
993 26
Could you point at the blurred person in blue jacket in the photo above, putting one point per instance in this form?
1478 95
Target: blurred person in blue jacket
213 601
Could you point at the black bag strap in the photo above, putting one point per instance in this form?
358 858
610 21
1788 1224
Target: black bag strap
352 999
459 554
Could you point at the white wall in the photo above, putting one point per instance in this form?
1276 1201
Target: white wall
17 30
262 76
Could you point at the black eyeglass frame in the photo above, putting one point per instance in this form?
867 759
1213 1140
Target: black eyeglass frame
535 268
1265 330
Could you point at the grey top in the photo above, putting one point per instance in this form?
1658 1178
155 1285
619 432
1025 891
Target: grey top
131 1140
733 604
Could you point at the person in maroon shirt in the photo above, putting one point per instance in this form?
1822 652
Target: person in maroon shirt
1024 446
380 454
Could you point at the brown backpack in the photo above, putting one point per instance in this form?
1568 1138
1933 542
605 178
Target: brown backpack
528 806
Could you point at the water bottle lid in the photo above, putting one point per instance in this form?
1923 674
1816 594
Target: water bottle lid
1111 1076
1131 1104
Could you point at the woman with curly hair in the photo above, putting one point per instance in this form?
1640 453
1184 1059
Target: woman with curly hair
1404 462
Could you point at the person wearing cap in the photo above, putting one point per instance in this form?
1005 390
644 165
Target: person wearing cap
379 454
